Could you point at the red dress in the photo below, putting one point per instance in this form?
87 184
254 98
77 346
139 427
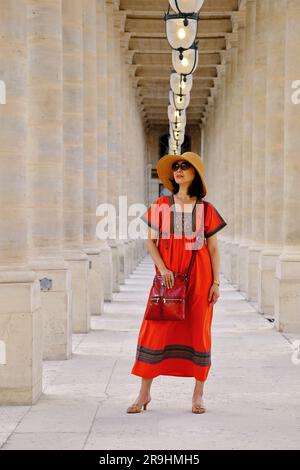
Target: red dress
181 348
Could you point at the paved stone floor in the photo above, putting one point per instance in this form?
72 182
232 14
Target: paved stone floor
252 393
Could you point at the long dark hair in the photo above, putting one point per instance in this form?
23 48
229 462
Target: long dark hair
194 189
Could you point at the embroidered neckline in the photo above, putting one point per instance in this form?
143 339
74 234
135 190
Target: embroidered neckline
183 222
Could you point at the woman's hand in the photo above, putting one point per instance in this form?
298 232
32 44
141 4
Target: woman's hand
168 277
214 294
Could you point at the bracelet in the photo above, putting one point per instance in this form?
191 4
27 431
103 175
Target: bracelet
216 282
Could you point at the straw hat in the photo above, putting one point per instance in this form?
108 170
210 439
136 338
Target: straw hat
165 172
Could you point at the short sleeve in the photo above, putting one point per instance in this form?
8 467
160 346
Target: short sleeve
152 217
213 221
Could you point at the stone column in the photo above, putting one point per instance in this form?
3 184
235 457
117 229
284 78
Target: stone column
287 297
21 327
259 149
140 157
113 132
247 147
227 174
127 158
215 147
220 188
45 172
234 161
134 163
274 168
122 50
73 162
104 85
238 191
120 245
91 45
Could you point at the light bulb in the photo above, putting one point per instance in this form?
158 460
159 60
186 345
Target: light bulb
181 33
185 62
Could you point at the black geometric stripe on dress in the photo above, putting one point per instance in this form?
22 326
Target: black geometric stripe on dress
215 230
173 351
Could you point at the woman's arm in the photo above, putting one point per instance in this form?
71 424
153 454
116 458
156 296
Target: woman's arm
212 245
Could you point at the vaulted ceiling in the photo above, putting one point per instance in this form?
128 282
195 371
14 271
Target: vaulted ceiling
150 58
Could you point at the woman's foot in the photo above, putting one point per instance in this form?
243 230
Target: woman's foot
197 404
140 402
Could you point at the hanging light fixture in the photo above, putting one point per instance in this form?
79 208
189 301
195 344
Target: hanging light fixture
177 126
174 146
179 102
180 140
181 30
175 149
176 140
181 84
176 115
176 136
189 61
186 6
176 132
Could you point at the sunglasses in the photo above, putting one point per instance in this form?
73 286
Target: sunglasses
182 166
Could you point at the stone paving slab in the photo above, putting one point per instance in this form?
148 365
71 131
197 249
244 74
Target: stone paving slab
252 394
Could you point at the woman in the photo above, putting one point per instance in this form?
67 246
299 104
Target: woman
181 348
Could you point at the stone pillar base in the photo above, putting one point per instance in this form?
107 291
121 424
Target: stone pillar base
21 338
106 269
115 250
252 266
138 251
136 248
141 250
128 257
287 293
234 262
56 307
242 268
222 249
122 253
96 283
266 280
140 247
133 255
78 264
225 267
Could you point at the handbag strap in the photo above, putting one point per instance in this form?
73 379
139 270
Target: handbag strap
190 264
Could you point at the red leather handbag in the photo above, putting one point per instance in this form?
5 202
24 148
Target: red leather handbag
168 304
